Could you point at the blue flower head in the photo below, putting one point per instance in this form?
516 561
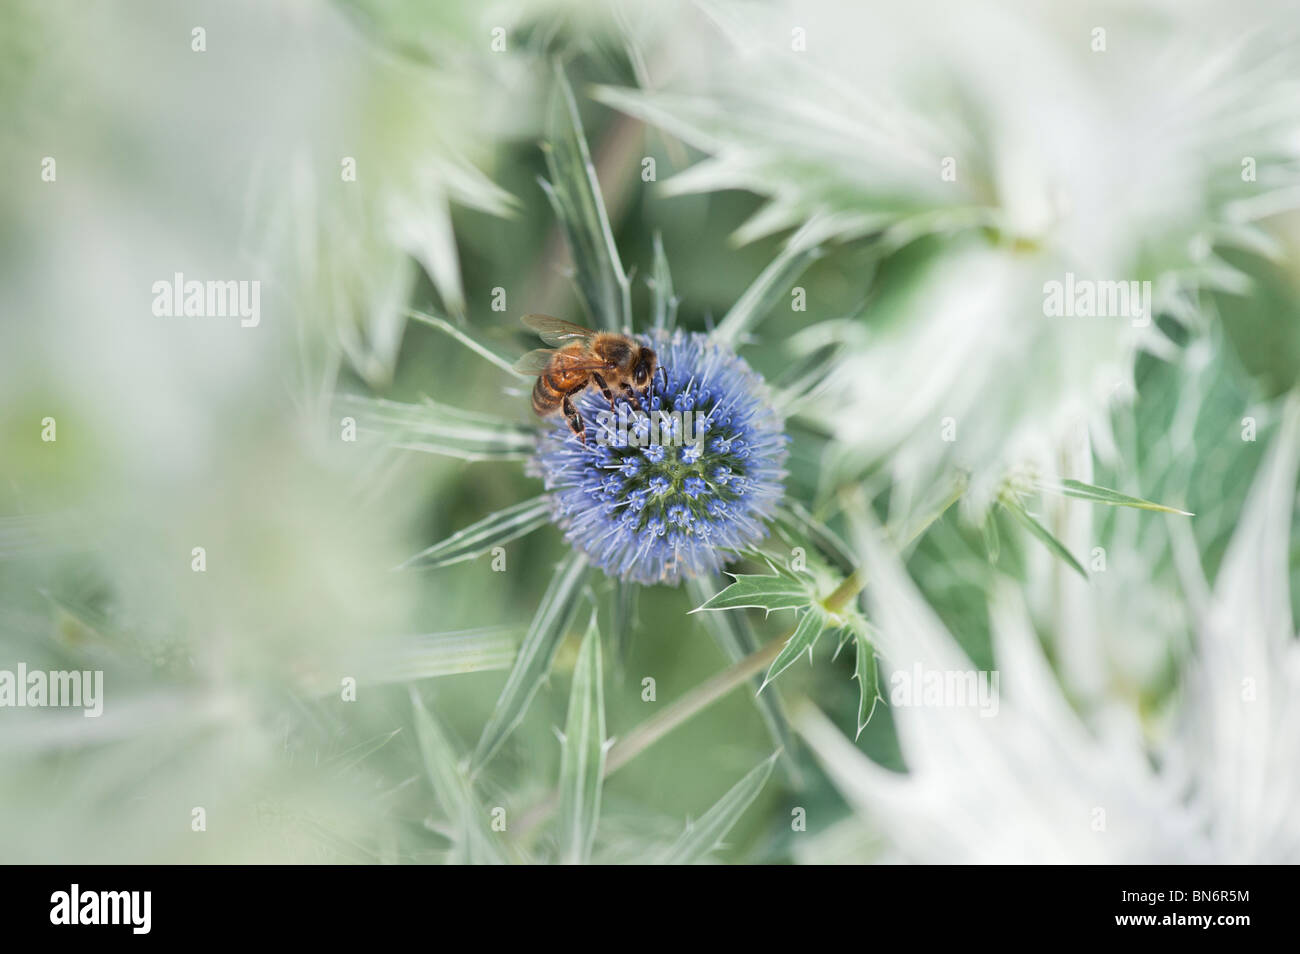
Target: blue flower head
669 489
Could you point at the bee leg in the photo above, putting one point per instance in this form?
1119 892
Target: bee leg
630 393
663 377
604 389
574 419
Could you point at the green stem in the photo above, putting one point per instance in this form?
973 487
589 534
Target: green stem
695 701
656 727
846 591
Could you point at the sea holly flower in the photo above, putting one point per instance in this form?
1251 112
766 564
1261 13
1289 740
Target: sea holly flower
646 511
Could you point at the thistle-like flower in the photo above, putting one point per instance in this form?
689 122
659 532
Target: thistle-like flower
667 489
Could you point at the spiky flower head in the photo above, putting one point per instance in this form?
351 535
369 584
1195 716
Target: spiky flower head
674 488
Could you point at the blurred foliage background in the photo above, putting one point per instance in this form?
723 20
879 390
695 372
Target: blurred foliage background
223 687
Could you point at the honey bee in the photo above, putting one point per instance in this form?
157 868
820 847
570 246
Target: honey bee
580 358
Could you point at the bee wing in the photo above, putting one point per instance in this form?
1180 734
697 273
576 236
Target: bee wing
535 362
556 331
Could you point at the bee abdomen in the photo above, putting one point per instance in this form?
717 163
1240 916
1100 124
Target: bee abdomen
546 398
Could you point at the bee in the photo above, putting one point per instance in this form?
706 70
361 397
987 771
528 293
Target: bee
581 358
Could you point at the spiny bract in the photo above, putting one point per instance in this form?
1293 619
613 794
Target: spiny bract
652 497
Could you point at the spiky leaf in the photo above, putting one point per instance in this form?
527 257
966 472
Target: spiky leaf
533 664
439 654
1017 510
624 616
865 672
704 835
474 837
794 516
811 625
470 338
767 289
440 429
575 197
582 764
479 538
760 592
663 303
1075 488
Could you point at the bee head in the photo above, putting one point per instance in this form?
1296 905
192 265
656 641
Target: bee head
644 369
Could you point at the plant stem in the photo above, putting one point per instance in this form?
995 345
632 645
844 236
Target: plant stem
698 699
709 691
846 591
656 727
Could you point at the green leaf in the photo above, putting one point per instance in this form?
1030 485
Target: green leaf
663 303
574 194
624 618
431 417
439 654
804 377
471 339
1017 510
939 501
702 837
989 533
865 672
759 592
475 840
768 288
736 638
1075 488
810 626
479 538
440 429
804 525
533 664
757 132
582 762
